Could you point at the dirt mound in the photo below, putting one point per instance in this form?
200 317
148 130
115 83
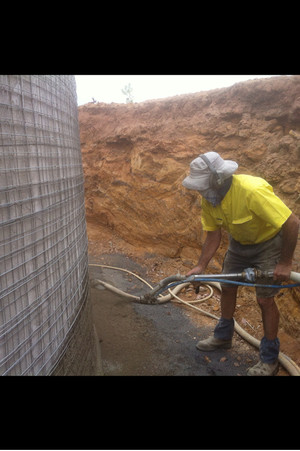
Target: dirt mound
135 157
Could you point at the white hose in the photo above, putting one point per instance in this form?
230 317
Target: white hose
295 276
291 367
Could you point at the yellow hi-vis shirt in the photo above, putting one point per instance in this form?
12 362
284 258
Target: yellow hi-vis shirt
250 211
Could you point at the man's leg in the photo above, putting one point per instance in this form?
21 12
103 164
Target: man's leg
270 317
267 256
223 332
228 301
269 345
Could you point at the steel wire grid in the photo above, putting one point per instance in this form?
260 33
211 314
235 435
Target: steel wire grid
43 242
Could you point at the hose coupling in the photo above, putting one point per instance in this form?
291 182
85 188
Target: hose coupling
252 274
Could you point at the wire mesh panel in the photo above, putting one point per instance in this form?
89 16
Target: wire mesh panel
43 242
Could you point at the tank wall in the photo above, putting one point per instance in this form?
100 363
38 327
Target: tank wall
43 240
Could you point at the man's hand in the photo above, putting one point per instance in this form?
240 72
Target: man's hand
289 240
196 270
282 272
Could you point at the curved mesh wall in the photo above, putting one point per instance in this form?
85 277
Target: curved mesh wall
43 242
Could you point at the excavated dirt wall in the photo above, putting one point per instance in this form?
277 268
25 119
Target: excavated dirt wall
135 157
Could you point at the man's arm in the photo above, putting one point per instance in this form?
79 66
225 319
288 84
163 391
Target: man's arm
289 240
209 249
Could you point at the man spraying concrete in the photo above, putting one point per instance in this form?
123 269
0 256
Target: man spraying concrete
263 234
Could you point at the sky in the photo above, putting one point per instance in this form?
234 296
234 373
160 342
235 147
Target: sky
108 88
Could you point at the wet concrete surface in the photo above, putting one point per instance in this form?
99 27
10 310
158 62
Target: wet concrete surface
155 340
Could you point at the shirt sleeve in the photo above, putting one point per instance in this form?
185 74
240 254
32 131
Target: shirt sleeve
267 206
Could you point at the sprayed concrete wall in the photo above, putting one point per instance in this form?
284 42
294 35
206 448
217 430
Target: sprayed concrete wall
45 315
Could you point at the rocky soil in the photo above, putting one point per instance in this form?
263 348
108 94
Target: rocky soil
135 157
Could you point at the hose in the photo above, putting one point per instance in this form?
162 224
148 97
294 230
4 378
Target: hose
140 299
232 282
290 366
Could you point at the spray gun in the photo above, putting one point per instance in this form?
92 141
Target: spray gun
249 277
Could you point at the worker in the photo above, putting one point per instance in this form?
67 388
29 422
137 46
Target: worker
263 233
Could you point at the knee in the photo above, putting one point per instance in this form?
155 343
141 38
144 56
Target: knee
265 302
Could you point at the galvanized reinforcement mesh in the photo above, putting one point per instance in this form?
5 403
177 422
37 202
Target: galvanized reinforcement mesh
43 242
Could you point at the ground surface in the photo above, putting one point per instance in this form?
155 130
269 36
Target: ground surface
159 340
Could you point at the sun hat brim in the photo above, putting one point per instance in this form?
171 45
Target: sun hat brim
200 183
199 180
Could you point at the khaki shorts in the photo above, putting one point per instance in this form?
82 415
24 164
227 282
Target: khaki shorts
263 256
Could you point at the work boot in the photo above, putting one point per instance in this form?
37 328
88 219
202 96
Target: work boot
263 369
212 343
